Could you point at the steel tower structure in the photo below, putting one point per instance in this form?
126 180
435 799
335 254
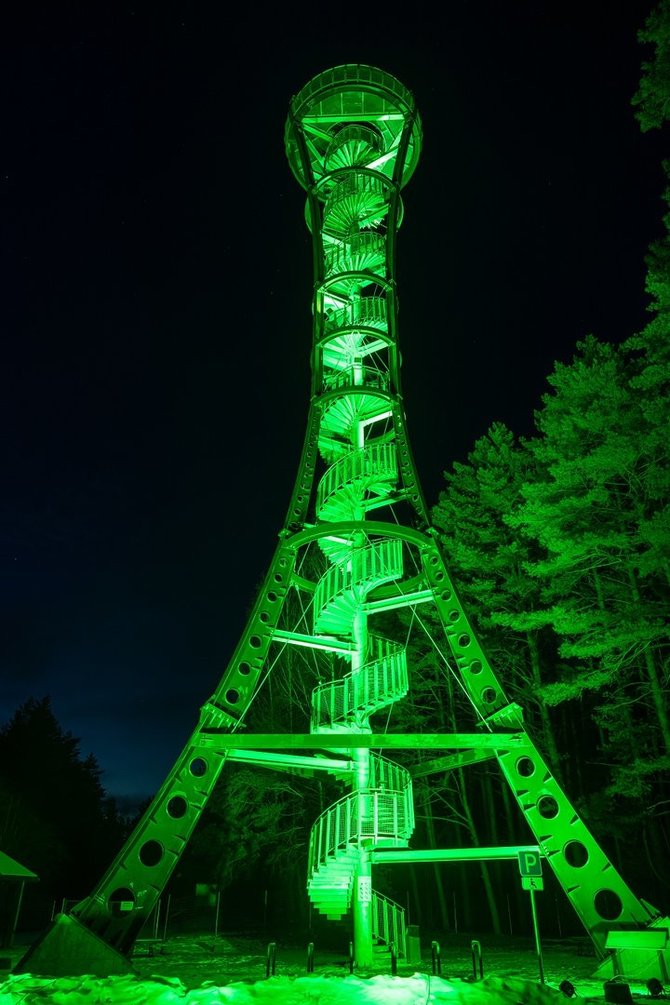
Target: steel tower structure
353 139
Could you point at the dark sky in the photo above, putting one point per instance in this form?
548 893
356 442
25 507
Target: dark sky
156 306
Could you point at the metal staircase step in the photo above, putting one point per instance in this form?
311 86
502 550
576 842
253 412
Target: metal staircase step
341 415
364 252
338 617
336 550
354 145
360 314
359 199
344 489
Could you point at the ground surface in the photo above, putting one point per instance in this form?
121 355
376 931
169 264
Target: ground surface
202 970
229 958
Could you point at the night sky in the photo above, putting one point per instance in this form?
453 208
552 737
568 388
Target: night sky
156 306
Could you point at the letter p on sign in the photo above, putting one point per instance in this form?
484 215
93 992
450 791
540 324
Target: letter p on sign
530 862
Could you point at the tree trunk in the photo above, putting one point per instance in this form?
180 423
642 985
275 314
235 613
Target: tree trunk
432 843
548 734
630 727
485 871
652 675
417 912
492 814
512 819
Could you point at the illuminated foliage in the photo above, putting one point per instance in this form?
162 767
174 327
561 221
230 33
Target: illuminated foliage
489 560
653 97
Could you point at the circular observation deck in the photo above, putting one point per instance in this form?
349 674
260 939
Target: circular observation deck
352 116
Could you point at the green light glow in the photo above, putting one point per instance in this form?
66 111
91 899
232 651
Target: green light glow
381 856
221 739
353 139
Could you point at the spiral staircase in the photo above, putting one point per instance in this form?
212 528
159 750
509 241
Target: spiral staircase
362 474
353 139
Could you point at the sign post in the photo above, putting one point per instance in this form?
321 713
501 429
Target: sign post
530 867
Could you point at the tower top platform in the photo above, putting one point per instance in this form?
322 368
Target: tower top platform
352 116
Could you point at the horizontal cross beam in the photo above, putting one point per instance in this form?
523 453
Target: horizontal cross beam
399 600
312 641
217 737
302 761
461 759
386 856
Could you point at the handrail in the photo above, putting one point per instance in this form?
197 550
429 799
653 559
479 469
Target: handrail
387 774
367 814
367 244
389 921
368 312
357 180
375 463
357 199
350 74
366 143
357 376
371 566
379 683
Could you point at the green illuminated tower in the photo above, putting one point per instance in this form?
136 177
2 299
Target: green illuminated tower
358 516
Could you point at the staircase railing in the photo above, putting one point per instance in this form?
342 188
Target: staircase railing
388 922
368 312
369 567
365 250
371 815
364 376
374 464
381 811
376 685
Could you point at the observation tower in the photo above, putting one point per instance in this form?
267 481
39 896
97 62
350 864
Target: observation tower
356 544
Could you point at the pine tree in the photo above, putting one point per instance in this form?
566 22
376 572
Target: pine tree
488 560
649 360
588 512
56 817
653 95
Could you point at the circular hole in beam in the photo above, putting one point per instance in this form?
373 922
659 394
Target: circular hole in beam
525 767
177 807
198 767
151 853
576 854
547 807
608 904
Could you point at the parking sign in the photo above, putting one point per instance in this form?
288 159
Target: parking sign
530 862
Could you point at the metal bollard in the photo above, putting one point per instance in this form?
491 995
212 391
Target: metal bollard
436 957
310 957
394 959
476 948
271 959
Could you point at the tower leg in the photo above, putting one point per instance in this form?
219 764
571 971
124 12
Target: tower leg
68 947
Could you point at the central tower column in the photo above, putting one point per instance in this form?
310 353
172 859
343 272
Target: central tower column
362 892
353 139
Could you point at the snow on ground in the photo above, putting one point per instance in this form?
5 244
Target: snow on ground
199 969
314 989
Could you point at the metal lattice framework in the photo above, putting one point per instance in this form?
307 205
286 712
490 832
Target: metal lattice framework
353 139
